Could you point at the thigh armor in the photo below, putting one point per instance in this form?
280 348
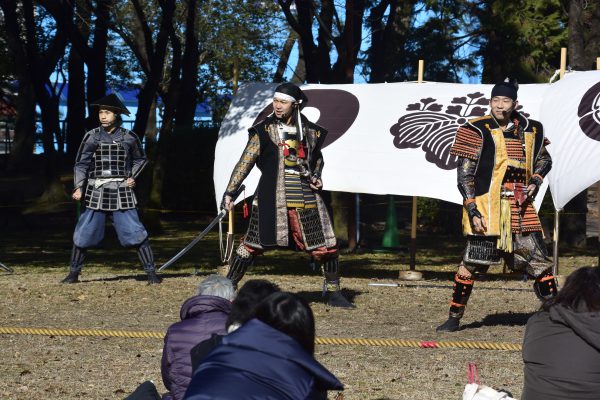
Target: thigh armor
482 250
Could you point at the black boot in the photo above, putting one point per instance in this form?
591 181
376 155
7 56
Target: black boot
337 299
463 286
451 325
73 277
331 286
153 278
333 295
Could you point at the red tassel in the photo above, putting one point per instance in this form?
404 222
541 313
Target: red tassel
301 151
286 151
245 207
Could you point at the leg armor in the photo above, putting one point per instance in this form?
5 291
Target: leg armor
545 286
463 286
146 257
331 284
331 273
239 263
77 258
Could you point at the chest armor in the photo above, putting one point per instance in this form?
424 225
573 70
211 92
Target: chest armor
110 161
515 151
107 189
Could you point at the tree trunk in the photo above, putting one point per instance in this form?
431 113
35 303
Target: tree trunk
75 105
154 58
96 63
387 53
584 34
573 221
76 91
285 56
22 148
300 70
188 99
21 153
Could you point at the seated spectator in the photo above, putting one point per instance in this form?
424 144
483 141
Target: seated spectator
269 357
243 309
201 316
561 349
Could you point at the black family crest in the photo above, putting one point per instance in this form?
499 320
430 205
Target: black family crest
589 112
433 130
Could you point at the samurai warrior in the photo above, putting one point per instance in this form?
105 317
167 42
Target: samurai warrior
502 161
109 160
287 209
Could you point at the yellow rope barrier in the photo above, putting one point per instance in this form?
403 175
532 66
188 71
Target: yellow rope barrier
319 340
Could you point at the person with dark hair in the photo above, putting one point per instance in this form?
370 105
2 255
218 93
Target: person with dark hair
243 309
287 209
202 315
290 315
502 162
109 160
269 357
561 347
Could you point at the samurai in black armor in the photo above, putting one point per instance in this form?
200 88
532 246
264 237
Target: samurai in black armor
109 160
287 209
502 161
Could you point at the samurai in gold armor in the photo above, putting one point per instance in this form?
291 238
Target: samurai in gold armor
287 209
502 161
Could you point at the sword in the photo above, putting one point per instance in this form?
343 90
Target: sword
215 221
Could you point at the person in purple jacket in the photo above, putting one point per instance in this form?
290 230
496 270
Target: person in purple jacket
201 316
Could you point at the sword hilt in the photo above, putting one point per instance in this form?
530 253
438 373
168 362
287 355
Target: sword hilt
233 195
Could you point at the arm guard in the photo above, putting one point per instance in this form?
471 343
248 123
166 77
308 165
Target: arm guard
466 177
319 163
138 157
244 165
83 160
542 166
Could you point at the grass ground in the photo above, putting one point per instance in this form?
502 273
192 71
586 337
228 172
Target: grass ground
113 295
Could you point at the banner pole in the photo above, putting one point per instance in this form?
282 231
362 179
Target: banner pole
555 242
357 210
563 61
413 226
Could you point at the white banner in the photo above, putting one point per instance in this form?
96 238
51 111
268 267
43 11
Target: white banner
571 113
394 138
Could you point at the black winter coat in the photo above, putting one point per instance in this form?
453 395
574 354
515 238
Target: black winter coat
561 351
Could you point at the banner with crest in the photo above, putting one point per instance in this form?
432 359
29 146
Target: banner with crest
395 138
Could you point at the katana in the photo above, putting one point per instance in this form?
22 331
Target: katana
198 238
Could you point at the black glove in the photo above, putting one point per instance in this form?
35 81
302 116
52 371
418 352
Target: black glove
472 211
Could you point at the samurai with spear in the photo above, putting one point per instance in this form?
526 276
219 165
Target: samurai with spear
287 209
109 160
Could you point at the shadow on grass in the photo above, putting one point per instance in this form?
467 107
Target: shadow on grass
137 277
505 319
317 296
